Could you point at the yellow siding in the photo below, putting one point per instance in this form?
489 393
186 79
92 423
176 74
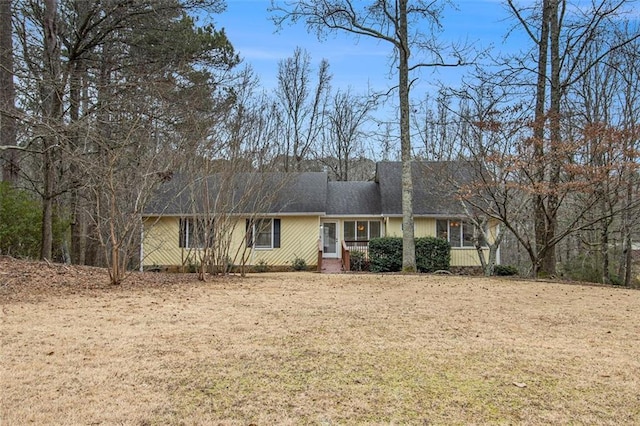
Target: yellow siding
298 238
161 241
426 227
466 256
423 227
393 227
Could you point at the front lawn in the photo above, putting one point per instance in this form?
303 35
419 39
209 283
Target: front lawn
305 348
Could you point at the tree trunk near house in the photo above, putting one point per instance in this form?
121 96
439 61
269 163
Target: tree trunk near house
52 109
408 233
540 223
8 135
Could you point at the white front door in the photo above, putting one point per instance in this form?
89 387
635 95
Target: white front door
330 240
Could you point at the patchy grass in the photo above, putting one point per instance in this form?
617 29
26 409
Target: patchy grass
303 348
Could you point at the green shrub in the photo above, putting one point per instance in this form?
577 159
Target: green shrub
385 254
192 265
505 270
20 222
583 268
299 264
261 266
432 254
358 261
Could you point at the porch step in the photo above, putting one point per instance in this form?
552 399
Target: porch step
331 266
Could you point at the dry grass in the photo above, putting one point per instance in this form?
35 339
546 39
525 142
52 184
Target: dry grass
303 348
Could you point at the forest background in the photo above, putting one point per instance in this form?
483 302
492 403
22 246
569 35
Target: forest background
101 102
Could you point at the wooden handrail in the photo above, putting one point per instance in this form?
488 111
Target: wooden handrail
319 255
346 257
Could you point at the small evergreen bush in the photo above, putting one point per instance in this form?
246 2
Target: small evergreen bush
299 264
261 266
358 261
20 222
505 270
432 254
385 254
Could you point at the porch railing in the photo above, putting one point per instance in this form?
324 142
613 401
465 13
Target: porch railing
320 252
350 246
346 257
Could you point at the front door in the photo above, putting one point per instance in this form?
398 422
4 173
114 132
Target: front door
330 239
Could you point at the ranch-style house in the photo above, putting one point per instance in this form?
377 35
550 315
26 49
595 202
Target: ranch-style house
272 219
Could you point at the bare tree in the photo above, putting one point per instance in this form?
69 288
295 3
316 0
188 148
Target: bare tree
560 37
348 118
106 71
51 95
630 126
221 188
388 21
604 120
9 157
302 104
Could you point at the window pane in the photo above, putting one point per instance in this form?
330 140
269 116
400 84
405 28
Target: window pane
205 233
362 230
182 243
442 229
193 233
195 227
350 231
454 233
467 235
263 233
374 229
483 241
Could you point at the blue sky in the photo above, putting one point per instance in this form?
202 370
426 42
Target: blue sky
357 63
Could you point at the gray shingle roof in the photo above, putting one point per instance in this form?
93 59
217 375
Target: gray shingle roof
242 193
310 192
434 187
353 198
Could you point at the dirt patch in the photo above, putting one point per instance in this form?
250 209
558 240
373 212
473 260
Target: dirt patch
37 280
297 348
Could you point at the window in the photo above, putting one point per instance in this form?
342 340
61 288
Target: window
196 233
459 233
361 230
263 233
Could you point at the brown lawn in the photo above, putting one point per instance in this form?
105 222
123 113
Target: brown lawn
304 348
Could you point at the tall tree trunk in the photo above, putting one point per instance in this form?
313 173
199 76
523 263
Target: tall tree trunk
548 264
408 235
604 251
78 192
538 139
52 106
626 258
9 159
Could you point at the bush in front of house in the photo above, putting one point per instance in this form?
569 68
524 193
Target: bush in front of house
261 266
505 270
385 254
358 261
432 254
299 264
